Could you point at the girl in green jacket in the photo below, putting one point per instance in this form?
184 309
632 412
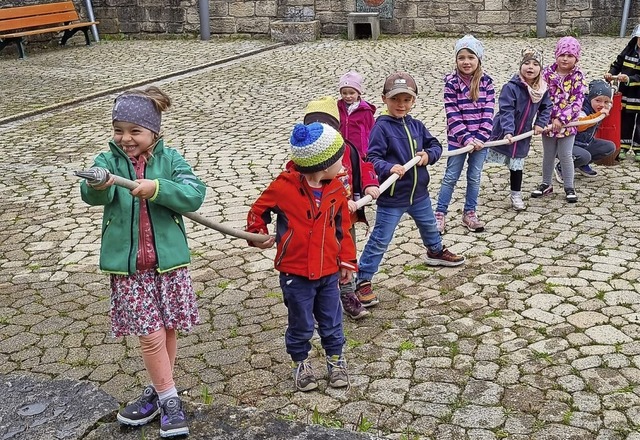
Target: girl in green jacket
144 248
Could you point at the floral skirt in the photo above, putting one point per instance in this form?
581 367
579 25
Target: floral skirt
514 163
147 301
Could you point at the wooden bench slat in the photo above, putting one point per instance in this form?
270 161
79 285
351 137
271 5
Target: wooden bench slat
24 11
40 20
53 29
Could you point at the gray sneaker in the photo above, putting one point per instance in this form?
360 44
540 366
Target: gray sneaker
142 410
338 375
303 376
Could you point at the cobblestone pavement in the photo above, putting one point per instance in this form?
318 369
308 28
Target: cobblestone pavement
534 338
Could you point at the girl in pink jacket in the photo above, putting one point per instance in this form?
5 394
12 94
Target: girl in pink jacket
356 114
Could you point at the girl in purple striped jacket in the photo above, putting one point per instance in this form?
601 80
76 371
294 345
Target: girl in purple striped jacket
468 102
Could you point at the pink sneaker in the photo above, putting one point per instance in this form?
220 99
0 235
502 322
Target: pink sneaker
440 222
472 222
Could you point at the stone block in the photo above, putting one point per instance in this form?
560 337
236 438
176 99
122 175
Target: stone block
493 5
218 9
463 17
334 29
343 5
393 26
526 17
253 25
432 9
223 25
153 27
493 17
465 6
292 32
167 15
109 26
330 17
406 10
420 26
129 27
265 8
323 5
241 9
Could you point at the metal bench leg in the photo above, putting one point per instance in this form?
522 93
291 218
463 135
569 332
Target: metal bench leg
86 36
68 34
19 45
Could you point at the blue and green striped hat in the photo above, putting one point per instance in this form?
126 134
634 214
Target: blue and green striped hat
315 147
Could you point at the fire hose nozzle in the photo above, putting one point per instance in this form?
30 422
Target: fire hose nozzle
94 176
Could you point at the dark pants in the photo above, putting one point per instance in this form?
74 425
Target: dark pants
628 131
596 150
306 299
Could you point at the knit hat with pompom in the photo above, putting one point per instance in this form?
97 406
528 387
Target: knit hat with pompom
315 147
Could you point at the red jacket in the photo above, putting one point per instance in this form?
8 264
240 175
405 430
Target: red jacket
355 127
313 242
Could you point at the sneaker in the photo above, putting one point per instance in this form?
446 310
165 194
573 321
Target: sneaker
338 375
622 155
586 170
142 410
444 258
365 294
472 222
542 190
303 376
173 421
558 172
352 306
517 202
440 221
571 195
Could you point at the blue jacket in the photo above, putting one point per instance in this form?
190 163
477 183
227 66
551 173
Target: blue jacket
396 141
515 116
584 138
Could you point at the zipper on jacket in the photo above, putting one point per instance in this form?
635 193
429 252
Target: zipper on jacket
285 245
413 147
526 114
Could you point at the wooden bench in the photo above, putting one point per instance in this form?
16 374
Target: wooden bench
23 21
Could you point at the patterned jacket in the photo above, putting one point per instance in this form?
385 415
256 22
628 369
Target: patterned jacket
468 120
567 94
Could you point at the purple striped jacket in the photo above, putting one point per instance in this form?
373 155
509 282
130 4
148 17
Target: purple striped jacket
468 120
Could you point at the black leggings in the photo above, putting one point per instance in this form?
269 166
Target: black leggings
515 179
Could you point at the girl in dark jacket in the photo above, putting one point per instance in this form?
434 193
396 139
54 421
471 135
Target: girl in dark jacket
521 99
627 67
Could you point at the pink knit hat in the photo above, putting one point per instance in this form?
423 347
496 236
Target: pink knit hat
351 79
568 45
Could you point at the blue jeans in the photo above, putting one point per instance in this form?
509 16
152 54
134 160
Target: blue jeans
306 299
475 162
387 219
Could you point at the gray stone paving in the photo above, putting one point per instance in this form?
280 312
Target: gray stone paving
536 337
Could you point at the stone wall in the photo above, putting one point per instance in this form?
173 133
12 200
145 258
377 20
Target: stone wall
410 17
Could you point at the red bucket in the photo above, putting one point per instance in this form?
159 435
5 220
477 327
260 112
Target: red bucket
610 129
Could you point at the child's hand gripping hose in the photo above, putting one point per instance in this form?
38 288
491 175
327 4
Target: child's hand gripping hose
407 166
97 176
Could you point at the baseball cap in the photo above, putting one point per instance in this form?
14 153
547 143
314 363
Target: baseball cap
399 82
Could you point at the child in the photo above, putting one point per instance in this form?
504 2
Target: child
521 100
358 177
144 248
315 251
468 102
566 91
587 148
356 114
397 138
627 67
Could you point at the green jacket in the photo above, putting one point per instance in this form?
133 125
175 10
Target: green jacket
178 191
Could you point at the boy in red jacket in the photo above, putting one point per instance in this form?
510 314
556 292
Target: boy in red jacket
315 250
358 178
